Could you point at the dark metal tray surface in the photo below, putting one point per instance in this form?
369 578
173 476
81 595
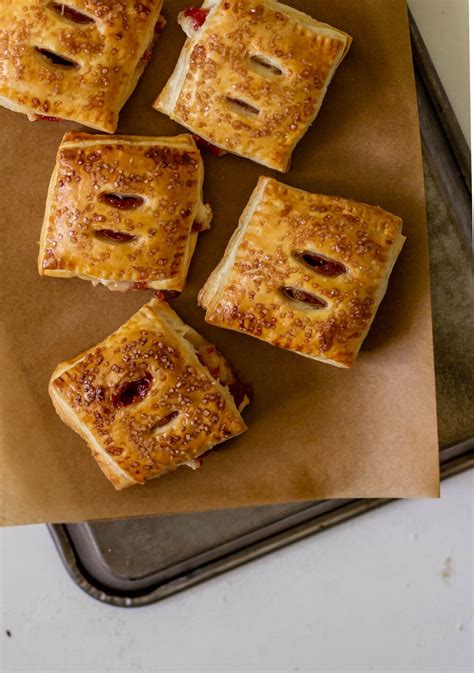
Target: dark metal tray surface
135 562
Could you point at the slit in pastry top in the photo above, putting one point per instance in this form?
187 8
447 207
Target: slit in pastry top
320 264
54 59
264 65
132 391
110 235
242 106
164 423
303 297
122 201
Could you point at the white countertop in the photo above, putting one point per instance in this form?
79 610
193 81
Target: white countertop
444 25
390 591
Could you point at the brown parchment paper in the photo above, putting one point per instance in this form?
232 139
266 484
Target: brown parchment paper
314 431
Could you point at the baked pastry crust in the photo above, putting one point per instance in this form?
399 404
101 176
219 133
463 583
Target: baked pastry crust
144 399
305 272
252 78
106 57
87 233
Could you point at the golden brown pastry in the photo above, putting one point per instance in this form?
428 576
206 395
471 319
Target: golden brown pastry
252 76
77 60
304 272
151 397
124 211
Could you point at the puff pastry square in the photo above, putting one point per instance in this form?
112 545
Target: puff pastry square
252 76
78 59
151 397
304 272
124 211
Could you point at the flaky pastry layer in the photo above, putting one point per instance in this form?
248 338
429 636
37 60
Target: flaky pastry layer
252 78
79 60
89 230
305 272
151 397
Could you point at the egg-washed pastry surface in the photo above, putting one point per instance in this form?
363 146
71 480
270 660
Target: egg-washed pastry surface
252 76
151 397
78 60
124 211
304 272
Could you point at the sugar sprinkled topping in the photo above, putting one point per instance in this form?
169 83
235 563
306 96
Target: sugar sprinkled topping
150 405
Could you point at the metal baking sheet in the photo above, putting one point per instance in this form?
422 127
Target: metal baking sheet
138 561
